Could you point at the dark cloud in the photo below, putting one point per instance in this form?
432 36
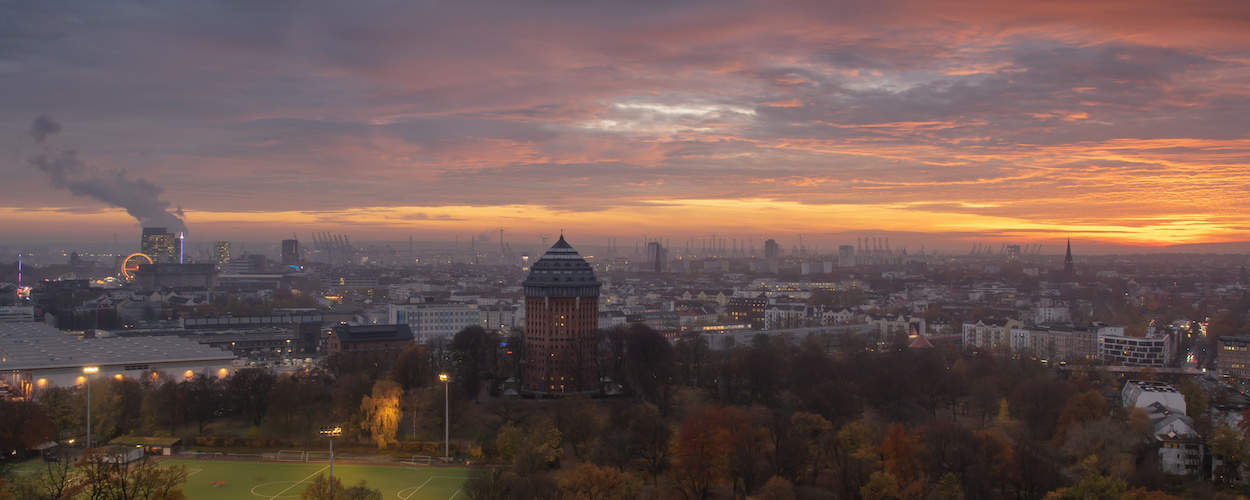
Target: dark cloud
42 127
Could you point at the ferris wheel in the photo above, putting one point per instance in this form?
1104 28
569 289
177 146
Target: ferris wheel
131 264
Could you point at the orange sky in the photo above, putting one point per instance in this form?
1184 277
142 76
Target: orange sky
1117 122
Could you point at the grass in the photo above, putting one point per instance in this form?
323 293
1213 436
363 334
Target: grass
210 480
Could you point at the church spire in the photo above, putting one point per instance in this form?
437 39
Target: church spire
1068 268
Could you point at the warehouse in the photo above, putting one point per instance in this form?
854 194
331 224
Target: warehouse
35 356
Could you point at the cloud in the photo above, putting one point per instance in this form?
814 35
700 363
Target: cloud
1043 111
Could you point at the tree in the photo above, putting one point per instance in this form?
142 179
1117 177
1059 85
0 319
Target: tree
591 482
649 440
580 423
1091 487
109 478
648 364
701 452
62 405
746 439
474 350
23 426
52 482
203 399
1232 448
530 449
947 488
777 488
413 369
322 488
381 412
881 486
1083 407
247 391
1196 398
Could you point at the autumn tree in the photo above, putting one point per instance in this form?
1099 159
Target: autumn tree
380 412
701 453
591 482
777 488
23 426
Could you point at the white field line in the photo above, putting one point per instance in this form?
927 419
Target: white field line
414 489
310 476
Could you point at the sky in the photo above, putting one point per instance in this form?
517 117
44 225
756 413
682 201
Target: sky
1115 122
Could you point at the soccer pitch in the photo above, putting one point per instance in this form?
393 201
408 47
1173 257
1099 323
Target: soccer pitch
211 480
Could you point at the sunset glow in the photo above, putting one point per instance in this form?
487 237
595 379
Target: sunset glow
1118 122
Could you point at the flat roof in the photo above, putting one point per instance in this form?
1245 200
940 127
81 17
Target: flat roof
37 346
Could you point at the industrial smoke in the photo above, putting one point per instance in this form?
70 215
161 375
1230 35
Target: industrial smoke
139 197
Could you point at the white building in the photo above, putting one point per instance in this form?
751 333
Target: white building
1143 393
778 316
990 337
431 321
1180 446
35 356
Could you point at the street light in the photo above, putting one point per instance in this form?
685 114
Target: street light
444 378
332 432
88 371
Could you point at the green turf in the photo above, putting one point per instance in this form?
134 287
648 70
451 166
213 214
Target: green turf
285 481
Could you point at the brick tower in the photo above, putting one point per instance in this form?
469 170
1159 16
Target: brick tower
561 323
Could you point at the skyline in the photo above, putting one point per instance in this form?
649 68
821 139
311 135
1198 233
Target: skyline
1116 123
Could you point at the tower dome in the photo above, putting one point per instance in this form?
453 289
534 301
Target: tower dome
561 272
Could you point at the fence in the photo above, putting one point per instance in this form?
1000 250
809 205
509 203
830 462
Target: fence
315 456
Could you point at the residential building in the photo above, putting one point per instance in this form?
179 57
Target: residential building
432 320
749 310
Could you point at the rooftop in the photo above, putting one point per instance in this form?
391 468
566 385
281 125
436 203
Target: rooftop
31 346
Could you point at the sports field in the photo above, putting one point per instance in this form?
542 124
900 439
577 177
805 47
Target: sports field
211 480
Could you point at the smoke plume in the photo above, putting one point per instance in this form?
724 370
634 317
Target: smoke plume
42 127
139 197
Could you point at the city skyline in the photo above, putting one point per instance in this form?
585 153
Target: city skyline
1119 124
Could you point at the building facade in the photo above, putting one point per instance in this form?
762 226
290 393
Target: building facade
747 310
432 321
561 323
1234 356
1134 351
158 244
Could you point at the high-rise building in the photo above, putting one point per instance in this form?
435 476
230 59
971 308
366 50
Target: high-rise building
771 249
657 257
158 244
221 253
290 253
561 319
